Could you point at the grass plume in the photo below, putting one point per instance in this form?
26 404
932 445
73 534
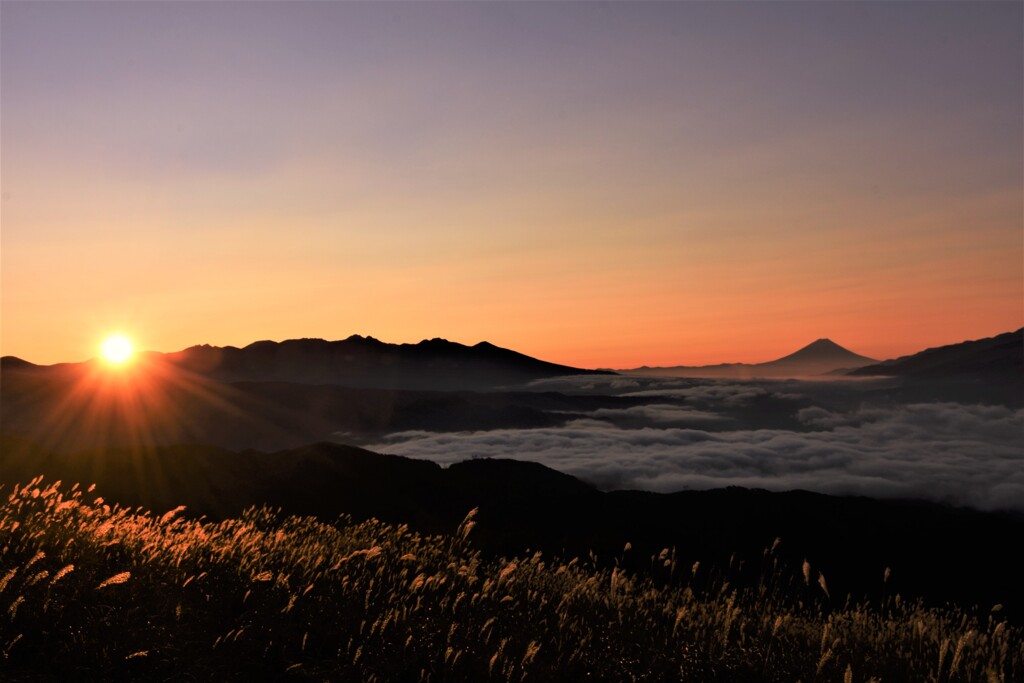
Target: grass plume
267 595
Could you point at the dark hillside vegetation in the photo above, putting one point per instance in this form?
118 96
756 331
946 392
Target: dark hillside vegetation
91 591
525 507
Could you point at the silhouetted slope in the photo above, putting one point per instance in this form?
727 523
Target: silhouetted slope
15 363
368 362
817 358
84 405
999 356
526 506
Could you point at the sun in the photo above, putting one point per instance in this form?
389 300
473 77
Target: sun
117 349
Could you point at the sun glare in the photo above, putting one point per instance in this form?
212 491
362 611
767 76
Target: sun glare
117 349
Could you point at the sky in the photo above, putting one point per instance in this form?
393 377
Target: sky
596 184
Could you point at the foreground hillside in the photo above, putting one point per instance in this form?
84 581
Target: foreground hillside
526 506
94 592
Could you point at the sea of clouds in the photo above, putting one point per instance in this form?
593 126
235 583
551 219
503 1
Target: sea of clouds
949 452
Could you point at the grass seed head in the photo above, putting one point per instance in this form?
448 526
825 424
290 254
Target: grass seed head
115 580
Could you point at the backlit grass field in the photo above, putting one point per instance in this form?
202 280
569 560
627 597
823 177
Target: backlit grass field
97 592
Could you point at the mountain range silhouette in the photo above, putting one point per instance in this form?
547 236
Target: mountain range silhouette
273 395
359 361
270 395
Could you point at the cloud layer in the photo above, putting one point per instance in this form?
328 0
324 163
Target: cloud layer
961 454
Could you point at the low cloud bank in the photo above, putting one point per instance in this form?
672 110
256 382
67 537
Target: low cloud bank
660 416
962 454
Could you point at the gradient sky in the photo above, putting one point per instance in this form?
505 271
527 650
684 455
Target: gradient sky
595 184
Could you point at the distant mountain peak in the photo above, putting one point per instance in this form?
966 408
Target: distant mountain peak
437 341
262 344
817 358
823 345
824 349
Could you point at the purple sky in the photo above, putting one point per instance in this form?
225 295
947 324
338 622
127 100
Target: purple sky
597 184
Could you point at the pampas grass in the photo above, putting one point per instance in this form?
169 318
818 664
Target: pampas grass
137 596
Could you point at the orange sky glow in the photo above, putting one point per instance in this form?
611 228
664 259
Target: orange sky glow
659 184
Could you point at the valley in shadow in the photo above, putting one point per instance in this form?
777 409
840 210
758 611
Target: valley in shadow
939 553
